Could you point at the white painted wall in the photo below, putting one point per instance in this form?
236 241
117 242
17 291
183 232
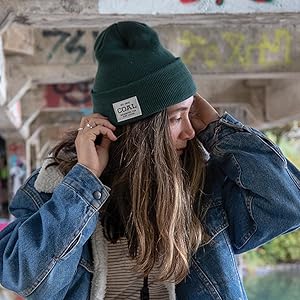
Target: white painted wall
201 6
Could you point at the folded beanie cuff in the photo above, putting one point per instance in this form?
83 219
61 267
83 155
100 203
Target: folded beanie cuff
152 94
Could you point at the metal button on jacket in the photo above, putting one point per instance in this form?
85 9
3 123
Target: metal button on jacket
97 195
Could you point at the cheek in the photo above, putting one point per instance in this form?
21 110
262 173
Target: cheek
174 134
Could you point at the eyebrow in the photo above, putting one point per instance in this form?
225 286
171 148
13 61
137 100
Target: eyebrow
171 111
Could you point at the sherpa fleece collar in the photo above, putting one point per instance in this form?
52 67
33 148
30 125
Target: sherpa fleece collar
48 178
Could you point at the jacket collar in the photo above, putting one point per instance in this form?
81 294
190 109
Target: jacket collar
49 177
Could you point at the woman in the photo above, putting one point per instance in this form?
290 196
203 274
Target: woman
131 205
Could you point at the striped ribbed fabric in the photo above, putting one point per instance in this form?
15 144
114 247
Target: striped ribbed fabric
123 282
114 277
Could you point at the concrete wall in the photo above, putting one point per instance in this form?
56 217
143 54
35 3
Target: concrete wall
244 49
207 50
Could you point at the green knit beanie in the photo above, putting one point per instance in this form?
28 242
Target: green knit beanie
136 75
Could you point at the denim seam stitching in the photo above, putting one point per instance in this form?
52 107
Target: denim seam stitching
85 264
294 178
39 279
245 239
89 203
33 197
239 179
208 283
76 234
222 228
232 258
271 147
44 274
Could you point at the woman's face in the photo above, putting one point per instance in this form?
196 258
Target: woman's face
180 125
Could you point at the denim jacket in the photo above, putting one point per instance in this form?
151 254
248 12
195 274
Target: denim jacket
252 194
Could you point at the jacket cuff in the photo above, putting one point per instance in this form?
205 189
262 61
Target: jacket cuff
218 129
87 185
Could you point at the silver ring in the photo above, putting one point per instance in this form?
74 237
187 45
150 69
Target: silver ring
80 128
89 125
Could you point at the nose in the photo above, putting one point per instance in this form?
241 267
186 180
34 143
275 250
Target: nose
188 131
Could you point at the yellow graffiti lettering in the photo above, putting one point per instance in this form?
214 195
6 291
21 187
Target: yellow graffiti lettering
282 42
212 56
197 45
236 42
191 42
233 48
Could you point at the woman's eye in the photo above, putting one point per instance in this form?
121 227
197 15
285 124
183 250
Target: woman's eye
176 120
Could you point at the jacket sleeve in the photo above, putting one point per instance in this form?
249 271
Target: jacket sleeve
46 239
260 187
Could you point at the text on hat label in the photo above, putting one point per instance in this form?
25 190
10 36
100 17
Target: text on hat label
127 109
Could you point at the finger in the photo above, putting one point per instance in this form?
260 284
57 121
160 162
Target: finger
105 143
109 134
199 97
105 123
93 122
199 100
99 129
83 122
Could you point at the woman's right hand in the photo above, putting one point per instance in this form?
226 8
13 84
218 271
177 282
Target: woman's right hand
202 114
94 157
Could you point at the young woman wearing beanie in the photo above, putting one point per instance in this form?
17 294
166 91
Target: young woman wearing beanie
153 194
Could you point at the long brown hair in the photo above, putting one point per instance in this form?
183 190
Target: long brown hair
153 195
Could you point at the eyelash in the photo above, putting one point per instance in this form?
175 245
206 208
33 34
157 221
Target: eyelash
176 120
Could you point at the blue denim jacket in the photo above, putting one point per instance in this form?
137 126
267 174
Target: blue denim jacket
252 194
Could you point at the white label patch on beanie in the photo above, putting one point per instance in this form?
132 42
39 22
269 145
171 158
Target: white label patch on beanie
127 109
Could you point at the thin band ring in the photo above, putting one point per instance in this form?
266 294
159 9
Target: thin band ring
80 128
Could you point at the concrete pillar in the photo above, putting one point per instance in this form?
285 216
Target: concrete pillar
19 39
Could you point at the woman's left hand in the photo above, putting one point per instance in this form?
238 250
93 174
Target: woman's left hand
202 114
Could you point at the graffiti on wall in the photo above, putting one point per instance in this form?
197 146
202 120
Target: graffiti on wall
16 165
236 49
153 6
188 1
68 95
75 44
195 6
218 2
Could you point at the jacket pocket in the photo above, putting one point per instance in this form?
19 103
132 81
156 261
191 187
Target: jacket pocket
214 222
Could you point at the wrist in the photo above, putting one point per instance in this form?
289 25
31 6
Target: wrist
95 172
